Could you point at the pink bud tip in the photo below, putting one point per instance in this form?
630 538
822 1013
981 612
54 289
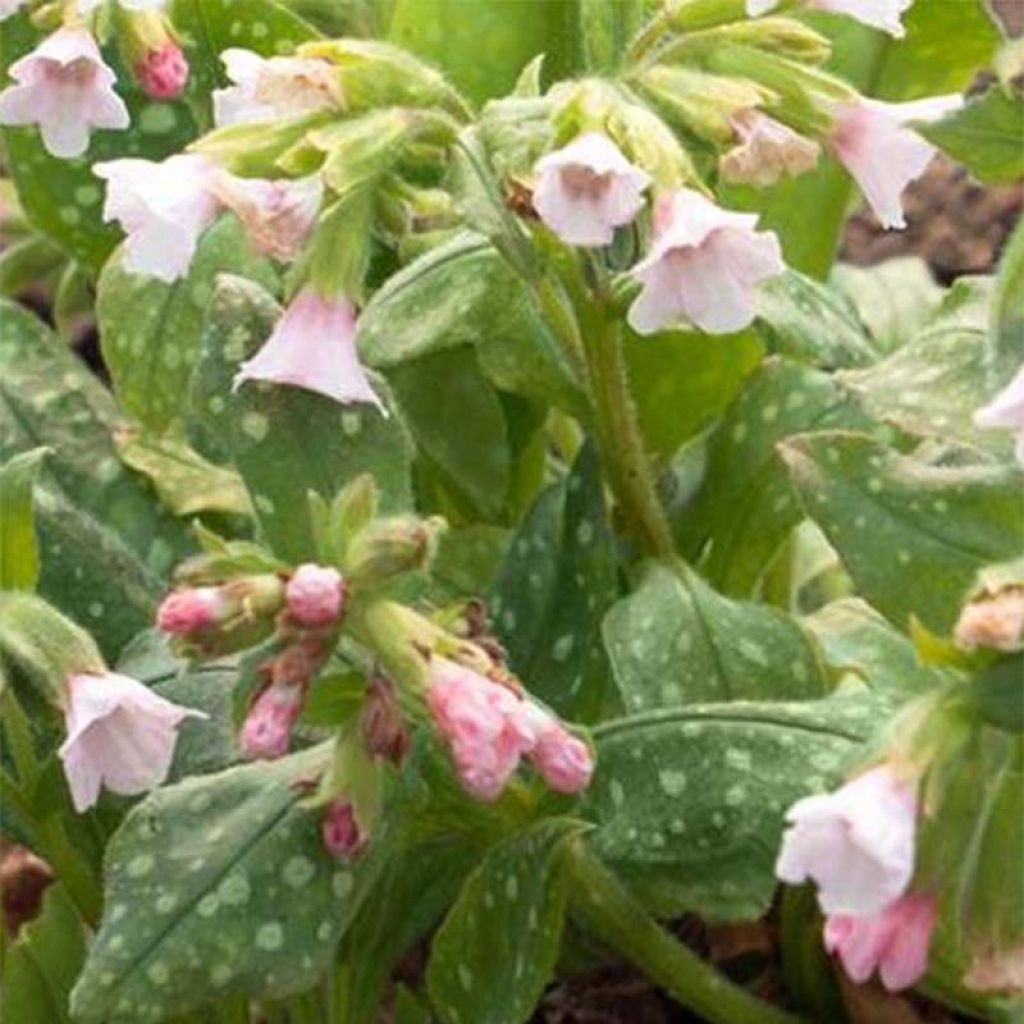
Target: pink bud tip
267 730
315 595
189 611
341 832
564 760
163 73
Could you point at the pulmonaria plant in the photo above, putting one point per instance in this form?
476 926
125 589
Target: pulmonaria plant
494 518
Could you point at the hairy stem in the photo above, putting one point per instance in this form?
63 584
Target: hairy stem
600 901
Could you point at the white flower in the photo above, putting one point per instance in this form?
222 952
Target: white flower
162 207
884 155
588 189
120 734
883 14
274 88
856 843
702 266
64 87
1006 412
9 7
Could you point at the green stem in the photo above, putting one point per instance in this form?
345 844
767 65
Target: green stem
600 901
619 438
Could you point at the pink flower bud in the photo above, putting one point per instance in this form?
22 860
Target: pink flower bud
341 833
856 843
894 941
997 972
163 72
192 610
380 725
267 730
993 620
315 595
564 760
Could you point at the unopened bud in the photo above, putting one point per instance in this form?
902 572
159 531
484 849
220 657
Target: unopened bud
993 620
315 595
163 72
391 547
192 610
298 663
997 972
267 730
151 48
342 836
564 760
381 726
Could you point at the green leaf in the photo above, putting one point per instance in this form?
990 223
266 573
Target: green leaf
557 581
999 695
19 549
1006 327
674 640
40 968
809 322
912 536
63 198
986 136
690 801
682 381
895 299
150 330
605 30
496 950
464 292
746 507
185 481
287 441
217 885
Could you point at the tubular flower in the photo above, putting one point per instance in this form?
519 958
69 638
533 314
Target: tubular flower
766 150
1006 412
65 88
881 14
588 189
120 734
702 266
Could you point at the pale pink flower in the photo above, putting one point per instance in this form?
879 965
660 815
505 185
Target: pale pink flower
274 88
767 150
9 7
564 760
894 941
856 843
875 144
1006 412
277 215
992 620
192 610
883 14
120 734
163 72
267 730
315 594
162 207
997 972
485 724
65 88
313 346
340 830
702 266
588 189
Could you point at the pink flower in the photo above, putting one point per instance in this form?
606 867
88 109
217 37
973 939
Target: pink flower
267 730
894 941
341 833
883 14
485 724
277 215
315 594
856 843
1006 412
9 7
992 620
163 208
588 189
163 72
271 89
997 972
564 760
313 346
702 266
767 149
192 610
875 145
119 734
64 87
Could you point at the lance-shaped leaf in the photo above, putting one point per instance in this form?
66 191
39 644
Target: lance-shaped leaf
690 801
912 536
496 950
218 885
19 550
287 441
557 581
675 640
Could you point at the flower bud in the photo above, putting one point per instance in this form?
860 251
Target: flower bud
315 595
342 836
564 760
766 150
390 547
381 726
267 729
994 620
163 72
997 972
192 610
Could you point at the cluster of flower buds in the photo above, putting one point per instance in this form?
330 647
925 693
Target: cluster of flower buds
489 728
